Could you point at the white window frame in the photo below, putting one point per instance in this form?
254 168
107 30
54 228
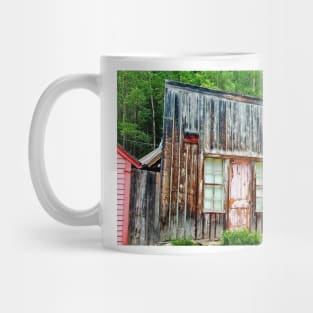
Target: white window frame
213 184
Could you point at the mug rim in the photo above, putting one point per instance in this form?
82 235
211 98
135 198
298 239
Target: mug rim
196 55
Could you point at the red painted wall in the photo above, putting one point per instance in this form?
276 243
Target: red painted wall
123 191
124 164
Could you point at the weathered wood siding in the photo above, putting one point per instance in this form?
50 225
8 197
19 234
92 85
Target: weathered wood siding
240 187
123 189
228 124
200 122
256 219
144 208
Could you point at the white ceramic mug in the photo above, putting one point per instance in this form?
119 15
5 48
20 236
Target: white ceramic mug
210 207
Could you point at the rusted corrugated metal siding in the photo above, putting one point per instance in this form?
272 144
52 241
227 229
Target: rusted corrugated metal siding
200 122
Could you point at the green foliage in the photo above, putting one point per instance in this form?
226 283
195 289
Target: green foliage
183 242
140 100
241 237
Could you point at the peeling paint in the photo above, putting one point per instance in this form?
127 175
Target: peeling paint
200 123
239 195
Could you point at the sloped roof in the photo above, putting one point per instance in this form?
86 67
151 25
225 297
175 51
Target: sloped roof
122 152
220 93
152 157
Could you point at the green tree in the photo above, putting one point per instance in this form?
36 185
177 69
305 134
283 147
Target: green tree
140 100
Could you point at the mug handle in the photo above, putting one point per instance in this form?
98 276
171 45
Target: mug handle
45 194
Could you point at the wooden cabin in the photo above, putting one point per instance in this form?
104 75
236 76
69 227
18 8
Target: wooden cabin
125 162
211 164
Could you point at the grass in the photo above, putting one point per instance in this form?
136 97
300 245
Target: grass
241 237
183 242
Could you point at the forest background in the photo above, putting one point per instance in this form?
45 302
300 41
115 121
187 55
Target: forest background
140 100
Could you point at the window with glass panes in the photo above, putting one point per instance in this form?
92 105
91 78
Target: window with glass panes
213 185
259 186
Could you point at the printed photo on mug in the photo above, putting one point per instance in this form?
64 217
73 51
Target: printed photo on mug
189 158
181 152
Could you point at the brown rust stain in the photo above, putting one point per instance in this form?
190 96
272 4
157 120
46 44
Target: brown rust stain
197 124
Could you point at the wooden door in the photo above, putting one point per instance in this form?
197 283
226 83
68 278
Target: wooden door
239 195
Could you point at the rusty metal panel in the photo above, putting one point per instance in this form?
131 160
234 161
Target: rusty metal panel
239 195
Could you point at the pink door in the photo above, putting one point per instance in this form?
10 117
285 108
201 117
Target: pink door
239 195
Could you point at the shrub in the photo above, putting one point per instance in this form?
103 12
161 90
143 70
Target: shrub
241 237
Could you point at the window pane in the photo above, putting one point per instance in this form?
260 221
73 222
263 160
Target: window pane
218 205
259 191
218 166
218 193
218 179
209 178
259 173
259 204
208 205
213 193
208 165
208 192
213 171
213 199
259 188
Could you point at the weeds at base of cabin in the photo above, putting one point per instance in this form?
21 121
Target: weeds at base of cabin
241 237
183 242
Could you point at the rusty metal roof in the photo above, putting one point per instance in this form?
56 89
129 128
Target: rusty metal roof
152 157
